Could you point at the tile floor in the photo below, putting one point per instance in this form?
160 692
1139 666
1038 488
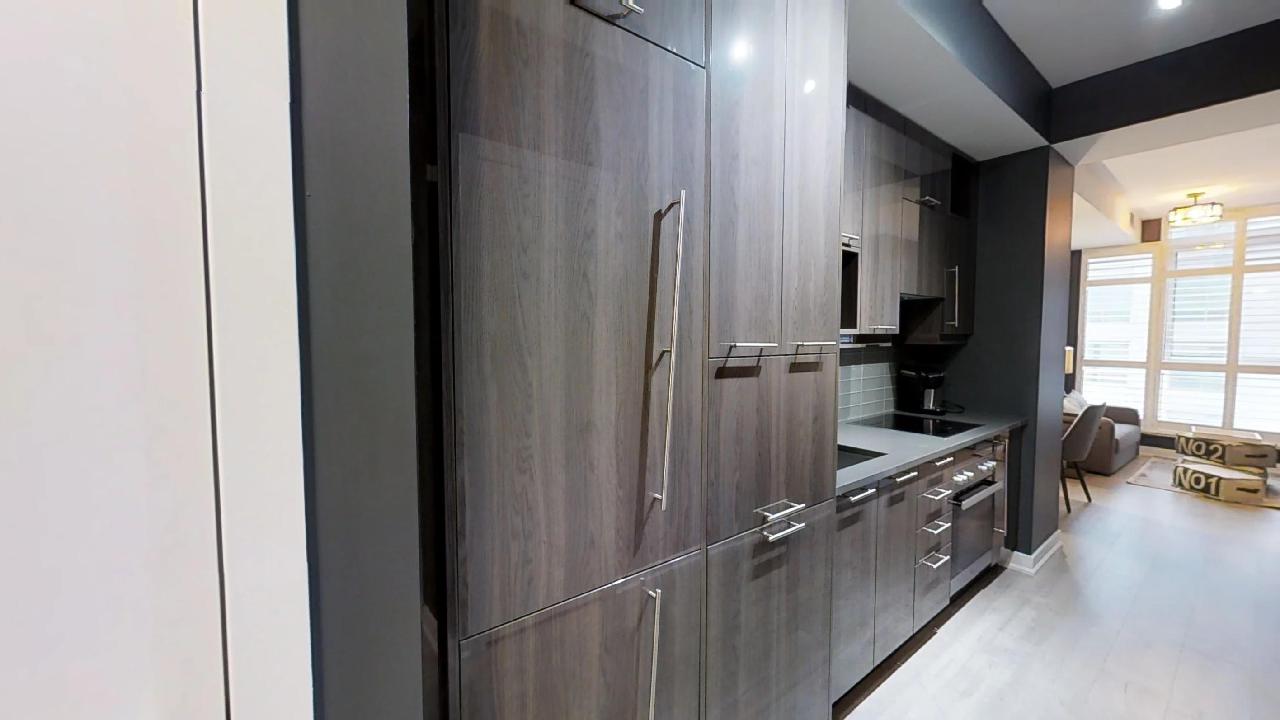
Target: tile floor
1160 605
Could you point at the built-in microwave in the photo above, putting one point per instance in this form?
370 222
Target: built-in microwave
850 254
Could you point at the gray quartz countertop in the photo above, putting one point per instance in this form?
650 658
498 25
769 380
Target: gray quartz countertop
903 450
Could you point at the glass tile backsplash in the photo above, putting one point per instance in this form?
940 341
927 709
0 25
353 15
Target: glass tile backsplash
866 383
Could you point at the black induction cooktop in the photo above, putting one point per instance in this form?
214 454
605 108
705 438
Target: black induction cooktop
937 427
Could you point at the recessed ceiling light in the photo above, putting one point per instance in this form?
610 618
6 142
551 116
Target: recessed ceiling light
1168 4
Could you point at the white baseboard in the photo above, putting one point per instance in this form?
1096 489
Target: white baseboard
1030 564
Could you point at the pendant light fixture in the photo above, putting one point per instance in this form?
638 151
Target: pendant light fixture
1197 213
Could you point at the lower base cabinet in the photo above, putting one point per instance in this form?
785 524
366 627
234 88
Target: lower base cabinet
627 650
769 621
853 590
933 586
895 564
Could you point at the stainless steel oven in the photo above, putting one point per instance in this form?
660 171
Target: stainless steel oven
977 504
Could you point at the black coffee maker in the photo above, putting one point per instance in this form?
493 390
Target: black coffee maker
920 390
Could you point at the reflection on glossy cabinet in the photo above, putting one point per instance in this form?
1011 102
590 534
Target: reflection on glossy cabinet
853 590
628 650
895 564
815 134
770 438
769 621
748 82
575 142
677 25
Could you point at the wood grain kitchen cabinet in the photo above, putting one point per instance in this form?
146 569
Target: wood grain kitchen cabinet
677 25
853 590
855 141
769 621
815 132
605 654
932 586
748 91
571 247
895 563
770 438
880 280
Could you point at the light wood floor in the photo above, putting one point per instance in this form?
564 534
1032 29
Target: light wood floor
1160 605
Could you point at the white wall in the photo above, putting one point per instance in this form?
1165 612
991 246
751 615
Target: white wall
110 606
245 60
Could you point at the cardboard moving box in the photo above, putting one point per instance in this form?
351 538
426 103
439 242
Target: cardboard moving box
1227 447
1239 485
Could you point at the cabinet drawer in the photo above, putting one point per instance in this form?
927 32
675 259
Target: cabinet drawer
933 504
675 25
931 538
933 586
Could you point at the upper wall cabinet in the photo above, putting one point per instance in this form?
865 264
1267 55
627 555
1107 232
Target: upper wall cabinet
880 277
677 25
855 144
777 74
578 325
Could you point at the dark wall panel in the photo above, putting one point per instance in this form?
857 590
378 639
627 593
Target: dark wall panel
351 148
1073 317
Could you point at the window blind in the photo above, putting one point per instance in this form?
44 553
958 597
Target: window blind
1116 322
1203 246
1196 319
1260 319
1192 397
1119 267
1258 402
1117 387
1262 241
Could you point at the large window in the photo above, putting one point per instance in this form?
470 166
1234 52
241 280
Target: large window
1187 331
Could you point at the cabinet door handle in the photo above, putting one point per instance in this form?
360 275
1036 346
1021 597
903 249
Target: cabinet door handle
851 236
671 358
653 663
944 461
751 344
631 7
792 527
906 477
941 493
862 495
942 560
884 327
790 508
930 201
936 531
955 302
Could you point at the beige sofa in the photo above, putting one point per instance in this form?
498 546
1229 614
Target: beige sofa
1117 442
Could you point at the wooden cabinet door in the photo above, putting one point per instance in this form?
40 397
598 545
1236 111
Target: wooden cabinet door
612 653
855 128
747 119
910 243
677 25
853 590
769 622
880 277
574 143
931 274
816 91
895 565
771 438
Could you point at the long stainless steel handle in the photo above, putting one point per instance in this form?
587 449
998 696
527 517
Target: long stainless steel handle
791 508
671 357
793 527
944 461
942 493
884 327
862 495
850 236
653 663
942 560
906 477
816 342
979 496
751 344
631 7
955 302
937 531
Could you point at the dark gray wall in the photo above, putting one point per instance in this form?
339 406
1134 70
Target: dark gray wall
1073 317
1013 362
351 149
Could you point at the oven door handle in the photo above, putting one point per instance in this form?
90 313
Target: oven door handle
967 501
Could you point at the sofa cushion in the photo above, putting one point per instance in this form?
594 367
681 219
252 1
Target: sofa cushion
1127 436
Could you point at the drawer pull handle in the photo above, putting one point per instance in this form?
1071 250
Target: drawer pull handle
862 495
815 342
850 236
906 477
793 527
944 461
791 508
941 493
653 662
751 344
942 560
631 7
939 531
